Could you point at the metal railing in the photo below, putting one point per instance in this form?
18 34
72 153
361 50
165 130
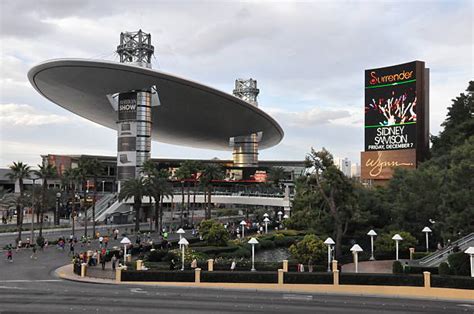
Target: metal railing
441 255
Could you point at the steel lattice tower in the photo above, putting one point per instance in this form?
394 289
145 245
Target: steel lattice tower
245 148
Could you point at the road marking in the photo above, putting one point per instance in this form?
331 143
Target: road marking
466 305
5 287
137 290
25 280
297 297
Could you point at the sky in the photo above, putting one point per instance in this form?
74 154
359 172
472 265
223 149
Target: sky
308 57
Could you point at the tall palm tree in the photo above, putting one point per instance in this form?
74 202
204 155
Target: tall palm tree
94 169
19 171
82 172
149 170
195 167
136 189
210 173
275 175
70 177
45 172
183 173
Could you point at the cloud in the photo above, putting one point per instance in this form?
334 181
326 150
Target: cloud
309 118
26 115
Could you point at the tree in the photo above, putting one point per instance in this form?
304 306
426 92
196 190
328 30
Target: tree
308 251
70 177
82 173
149 170
45 173
213 232
182 174
275 175
136 189
19 171
94 169
335 189
210 173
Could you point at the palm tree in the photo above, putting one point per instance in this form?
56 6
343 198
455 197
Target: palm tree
149 170
210 173
275 175
70 177
82 175
136 189
45 173
94 169
19 171
183 173
160 187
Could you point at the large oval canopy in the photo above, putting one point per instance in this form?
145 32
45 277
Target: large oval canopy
189 113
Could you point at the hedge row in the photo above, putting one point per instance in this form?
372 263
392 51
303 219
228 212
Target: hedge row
146 275
308 278
381 279
240 276
456 282
420 270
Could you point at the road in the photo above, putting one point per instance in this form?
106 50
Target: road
29 286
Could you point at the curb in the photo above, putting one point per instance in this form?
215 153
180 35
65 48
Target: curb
313 289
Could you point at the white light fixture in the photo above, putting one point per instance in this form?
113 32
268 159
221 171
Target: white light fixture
329 242
180 232
470 251
253 241
355 249
372 234
266 221
427 231
182 243
125 241
243 224
397 239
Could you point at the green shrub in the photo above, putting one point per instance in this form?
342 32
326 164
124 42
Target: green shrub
308 278
169 256
241 252
455 282
310 249
419 255
420 270
443 269
240 276
214 232
397 267
459 264
155 256
215 250
265 245
381 279
149 275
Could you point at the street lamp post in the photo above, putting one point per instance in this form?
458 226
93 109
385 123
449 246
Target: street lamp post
103 185
280 213
125 241
266 221
286 216
253 241
372 234
355 249
56 214
180 232
397 239
243 224
470 251
329 242
33 215
182 243
426 230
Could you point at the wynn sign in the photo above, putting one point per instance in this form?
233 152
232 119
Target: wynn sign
396 119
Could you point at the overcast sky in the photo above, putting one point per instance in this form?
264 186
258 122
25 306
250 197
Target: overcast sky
308 57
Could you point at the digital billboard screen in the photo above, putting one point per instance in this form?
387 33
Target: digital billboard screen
391 108
127 106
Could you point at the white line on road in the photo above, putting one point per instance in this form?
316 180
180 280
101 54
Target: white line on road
297 297
24 280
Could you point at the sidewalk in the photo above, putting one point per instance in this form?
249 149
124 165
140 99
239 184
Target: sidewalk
66 272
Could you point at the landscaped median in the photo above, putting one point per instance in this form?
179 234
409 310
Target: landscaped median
420 286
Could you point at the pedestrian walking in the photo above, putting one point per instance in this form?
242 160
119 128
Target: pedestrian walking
232 266
33 256
172 264
10 254
114 261
194 264
71 248
19 244
102 261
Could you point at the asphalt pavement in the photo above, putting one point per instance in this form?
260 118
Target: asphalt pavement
30 286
